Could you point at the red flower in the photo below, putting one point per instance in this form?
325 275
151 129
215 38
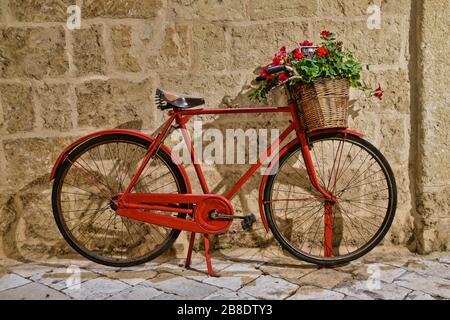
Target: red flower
265 74
282 54
379 92
283 77
322 52
326 34
306 43
276 61
298 54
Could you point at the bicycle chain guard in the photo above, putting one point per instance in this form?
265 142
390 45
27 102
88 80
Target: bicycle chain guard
203 218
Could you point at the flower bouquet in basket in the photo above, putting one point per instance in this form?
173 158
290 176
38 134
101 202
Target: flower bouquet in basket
318 78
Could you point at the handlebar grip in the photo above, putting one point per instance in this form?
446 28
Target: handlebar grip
276 69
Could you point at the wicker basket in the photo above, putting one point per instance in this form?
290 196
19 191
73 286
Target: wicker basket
323 104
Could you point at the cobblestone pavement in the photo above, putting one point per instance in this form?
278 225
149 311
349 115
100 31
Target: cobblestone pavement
386 273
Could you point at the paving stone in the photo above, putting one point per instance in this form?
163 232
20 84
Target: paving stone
168 296
131 277
385 254
386 272
288 273
389 273
315 293
386 291
96 289
55 278
350 267
62 278
268 287
186 288
242 269
273 256
428 267
401 263
242 278
198 272
225 294
436 287
248 255
29 270
66 262
178 264
33 291
445 260
418 295
147 267
325 278
357 271
138 292
234 276
290 262
218 265
127 272
10 281
234 282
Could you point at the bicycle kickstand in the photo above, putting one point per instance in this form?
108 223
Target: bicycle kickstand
211 272
187 265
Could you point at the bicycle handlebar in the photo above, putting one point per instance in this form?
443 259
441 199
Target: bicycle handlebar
276 69
272 70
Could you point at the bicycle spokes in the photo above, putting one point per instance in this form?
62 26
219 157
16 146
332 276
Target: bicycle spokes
86 208
319 227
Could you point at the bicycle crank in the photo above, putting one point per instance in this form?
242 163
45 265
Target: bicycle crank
214 215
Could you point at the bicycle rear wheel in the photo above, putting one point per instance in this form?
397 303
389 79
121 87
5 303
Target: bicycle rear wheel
360 178
92 175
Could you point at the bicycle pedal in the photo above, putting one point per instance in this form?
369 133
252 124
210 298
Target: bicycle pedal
248 221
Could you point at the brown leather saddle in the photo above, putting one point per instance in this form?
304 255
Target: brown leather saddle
166 100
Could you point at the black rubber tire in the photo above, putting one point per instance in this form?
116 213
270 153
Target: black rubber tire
372 243
166 158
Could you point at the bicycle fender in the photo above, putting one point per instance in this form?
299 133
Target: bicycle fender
281 153
345 131
138 134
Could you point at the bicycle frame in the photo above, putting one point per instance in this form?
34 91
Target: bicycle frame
132 205
181 117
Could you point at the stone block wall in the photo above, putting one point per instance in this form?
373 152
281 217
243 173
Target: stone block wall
431 126
57 84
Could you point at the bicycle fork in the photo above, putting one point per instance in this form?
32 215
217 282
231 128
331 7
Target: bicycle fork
330 199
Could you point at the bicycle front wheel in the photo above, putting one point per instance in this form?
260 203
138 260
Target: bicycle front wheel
360 178
93 175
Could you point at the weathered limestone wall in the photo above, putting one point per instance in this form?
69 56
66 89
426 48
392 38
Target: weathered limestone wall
57 85
432 125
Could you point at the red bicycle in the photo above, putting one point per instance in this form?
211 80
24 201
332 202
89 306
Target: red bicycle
121 198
